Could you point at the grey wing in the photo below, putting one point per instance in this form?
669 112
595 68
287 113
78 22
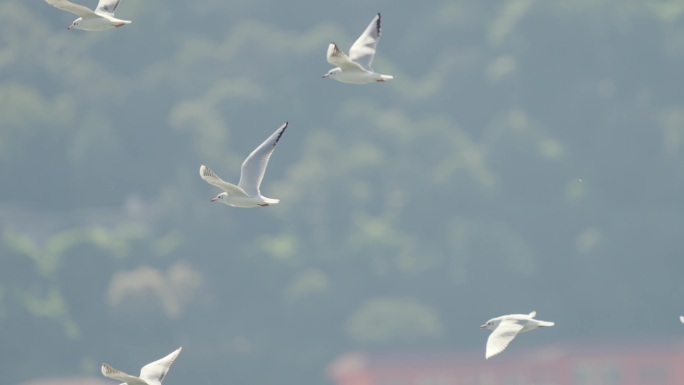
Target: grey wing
107 6
254 167
363 49
213 179
154 372
118 375
501 337
68 6
338 58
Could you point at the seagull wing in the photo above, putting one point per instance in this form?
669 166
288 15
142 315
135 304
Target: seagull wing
501 337
118 375
212 178
338 58
154 372
68 6
363 49
107 7
254 167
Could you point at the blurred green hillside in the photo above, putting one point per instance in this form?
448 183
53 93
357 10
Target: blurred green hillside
529 155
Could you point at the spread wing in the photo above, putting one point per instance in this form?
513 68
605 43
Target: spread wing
118 375
338 58
363 49
68 6
501 337
154 372
254 167
212 178
107 6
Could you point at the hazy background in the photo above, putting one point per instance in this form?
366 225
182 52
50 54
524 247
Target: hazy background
528 156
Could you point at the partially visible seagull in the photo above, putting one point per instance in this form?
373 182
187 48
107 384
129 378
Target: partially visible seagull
356 68
246 193
150 374
681 318
98 20
507 327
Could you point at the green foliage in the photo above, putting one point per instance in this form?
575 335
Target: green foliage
389 321
51 305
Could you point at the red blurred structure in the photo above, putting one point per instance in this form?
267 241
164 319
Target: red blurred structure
656 364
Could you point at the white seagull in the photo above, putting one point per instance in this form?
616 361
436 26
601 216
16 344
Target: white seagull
507 327
356 68
150 374
681 318
98 20
246 193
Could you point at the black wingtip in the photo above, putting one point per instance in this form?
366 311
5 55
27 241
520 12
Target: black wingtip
280 134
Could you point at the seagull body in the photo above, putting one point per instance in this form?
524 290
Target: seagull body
98 20
506 327
357 67
150 374
246 193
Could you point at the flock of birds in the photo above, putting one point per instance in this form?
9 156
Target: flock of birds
355 68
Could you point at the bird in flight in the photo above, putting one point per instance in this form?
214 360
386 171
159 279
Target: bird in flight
506 327
247 193
357 67
98 20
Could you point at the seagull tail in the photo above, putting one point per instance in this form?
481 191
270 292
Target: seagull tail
271 201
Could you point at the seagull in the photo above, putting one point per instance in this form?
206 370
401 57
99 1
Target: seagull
246 193
98 20
356 68
150 374
681 318
507 327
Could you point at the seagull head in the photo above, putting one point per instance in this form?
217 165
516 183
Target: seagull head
220 197
75 23
332 73
491 324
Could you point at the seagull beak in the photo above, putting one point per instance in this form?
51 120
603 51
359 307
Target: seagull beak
325 76
483 326
69 27
214 200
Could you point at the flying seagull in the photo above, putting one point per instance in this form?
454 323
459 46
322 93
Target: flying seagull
98 20
150 374
506 327
246 193
357 67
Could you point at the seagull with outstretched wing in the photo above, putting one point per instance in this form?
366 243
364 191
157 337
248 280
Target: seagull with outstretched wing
247 192
150 374
98 20
356 68
506 327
